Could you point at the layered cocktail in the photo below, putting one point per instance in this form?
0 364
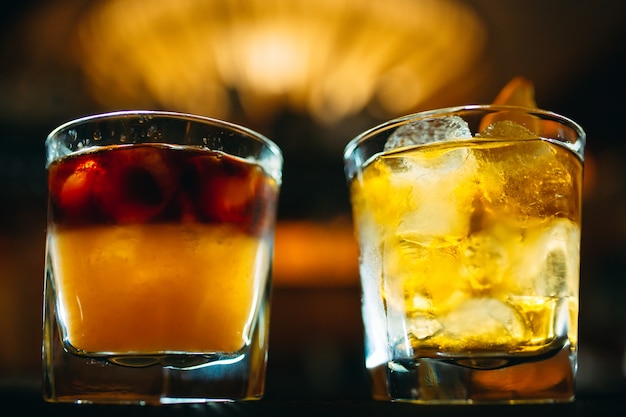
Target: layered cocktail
159 251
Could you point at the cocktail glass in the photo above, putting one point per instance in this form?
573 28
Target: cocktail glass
159 249
468 221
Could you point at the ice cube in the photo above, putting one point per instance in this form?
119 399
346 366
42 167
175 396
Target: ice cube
484 260
559 250
430 130
507 129
486 319
442 216
423 327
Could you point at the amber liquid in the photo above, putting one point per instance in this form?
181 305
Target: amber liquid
158 249
471 257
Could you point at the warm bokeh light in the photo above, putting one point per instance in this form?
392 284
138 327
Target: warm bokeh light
315 254
329 58
251 61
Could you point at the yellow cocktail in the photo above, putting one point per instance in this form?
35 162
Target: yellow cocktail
469 229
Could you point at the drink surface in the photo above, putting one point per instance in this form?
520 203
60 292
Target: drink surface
470 248
158 248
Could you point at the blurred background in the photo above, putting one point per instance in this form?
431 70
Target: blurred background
310 74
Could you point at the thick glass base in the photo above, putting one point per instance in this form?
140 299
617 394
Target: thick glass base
438 381
152 379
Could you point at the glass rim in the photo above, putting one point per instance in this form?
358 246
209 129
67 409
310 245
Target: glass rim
354 143
128 114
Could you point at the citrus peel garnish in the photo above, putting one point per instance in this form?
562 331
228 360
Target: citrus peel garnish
519 92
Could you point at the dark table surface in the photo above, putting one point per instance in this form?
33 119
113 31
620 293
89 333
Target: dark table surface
28 402
318 371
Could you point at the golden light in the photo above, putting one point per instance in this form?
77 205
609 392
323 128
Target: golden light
314 254
252 60
328 58
331 59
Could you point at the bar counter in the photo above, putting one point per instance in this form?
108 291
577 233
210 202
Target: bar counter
29 402
316 368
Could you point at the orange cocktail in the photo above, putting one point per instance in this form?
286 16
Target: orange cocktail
158 248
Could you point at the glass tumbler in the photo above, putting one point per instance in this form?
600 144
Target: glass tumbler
158 258
468 221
